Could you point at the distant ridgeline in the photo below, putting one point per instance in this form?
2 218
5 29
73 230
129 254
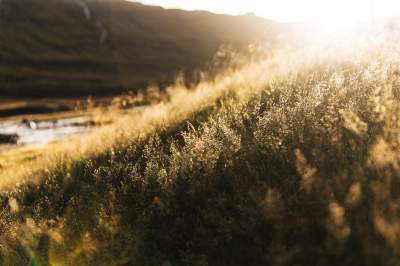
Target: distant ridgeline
62 48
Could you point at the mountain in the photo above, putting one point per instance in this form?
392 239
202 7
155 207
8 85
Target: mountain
68 48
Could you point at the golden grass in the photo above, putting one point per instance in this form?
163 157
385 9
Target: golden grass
23 165
293 161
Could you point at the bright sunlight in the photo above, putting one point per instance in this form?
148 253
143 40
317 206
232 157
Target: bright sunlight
328 15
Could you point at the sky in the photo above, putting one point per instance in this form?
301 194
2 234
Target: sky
318 11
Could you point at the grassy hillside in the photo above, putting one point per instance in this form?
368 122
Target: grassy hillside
289 161
54 48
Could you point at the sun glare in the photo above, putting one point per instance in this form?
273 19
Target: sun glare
328 16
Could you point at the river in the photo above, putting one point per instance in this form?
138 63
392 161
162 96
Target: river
36 133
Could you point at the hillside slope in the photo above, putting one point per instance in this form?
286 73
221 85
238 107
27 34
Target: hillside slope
81 47
293 160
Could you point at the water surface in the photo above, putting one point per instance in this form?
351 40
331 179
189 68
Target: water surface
34 133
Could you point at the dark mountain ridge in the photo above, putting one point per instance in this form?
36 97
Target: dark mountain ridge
69 48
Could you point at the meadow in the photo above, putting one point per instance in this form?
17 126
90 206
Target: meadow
288 158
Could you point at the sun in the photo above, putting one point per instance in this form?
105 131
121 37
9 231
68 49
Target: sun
326 16
341 16
333 26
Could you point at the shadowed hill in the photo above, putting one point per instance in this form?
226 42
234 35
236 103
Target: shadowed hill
60 48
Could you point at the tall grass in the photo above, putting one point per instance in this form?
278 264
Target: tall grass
291 160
